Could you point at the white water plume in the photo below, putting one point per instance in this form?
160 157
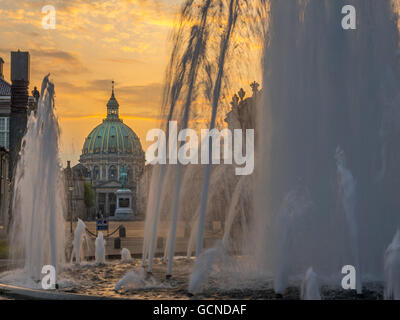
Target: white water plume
80 238
38 228
310 287
126 255
100 253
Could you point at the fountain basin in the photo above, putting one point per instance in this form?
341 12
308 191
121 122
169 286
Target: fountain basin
91 282
21 293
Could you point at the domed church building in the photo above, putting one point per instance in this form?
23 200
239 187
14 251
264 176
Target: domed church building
109 149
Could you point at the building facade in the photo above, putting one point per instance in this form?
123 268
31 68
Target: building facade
5 108
110 147
15 105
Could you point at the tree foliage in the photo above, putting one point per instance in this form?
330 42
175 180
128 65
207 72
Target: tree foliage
89 196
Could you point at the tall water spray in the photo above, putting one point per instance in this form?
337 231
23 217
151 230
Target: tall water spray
323 87
37 226
196 69
347 191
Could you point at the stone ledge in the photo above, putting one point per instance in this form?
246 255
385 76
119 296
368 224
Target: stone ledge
21 293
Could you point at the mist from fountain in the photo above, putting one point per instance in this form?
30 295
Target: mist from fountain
221 187
288 233
326 87
347 191
204 265
392 269
138 279
239 212
37 229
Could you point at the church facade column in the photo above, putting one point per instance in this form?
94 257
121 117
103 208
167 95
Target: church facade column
107 206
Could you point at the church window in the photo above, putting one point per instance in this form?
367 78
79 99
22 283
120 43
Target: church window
96 173
112 173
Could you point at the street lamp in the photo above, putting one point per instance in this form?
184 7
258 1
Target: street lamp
70 189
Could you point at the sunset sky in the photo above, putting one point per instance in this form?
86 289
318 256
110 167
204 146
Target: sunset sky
95 42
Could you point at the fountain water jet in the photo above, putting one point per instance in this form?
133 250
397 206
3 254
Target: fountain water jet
310 286
37 225
392 269
189 76
347 189
126 255
100 249
79 238
289 236
325 87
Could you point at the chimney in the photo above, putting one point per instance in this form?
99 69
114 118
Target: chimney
19 104
1 68
20 63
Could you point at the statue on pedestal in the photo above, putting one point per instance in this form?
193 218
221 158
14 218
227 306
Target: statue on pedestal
124 199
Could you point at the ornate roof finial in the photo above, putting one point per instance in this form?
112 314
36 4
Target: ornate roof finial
241 94
112 105
235 100
254 86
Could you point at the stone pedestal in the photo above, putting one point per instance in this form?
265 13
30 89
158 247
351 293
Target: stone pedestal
124 206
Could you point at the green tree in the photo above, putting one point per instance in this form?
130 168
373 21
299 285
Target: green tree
88 197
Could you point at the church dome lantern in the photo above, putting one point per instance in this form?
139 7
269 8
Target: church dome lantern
112 106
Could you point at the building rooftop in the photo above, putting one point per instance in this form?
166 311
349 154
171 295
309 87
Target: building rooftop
5 88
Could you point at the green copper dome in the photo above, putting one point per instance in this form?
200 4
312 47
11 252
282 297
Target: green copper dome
112 136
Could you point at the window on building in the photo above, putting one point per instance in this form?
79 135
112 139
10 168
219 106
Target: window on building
4 132
96 173
112 172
